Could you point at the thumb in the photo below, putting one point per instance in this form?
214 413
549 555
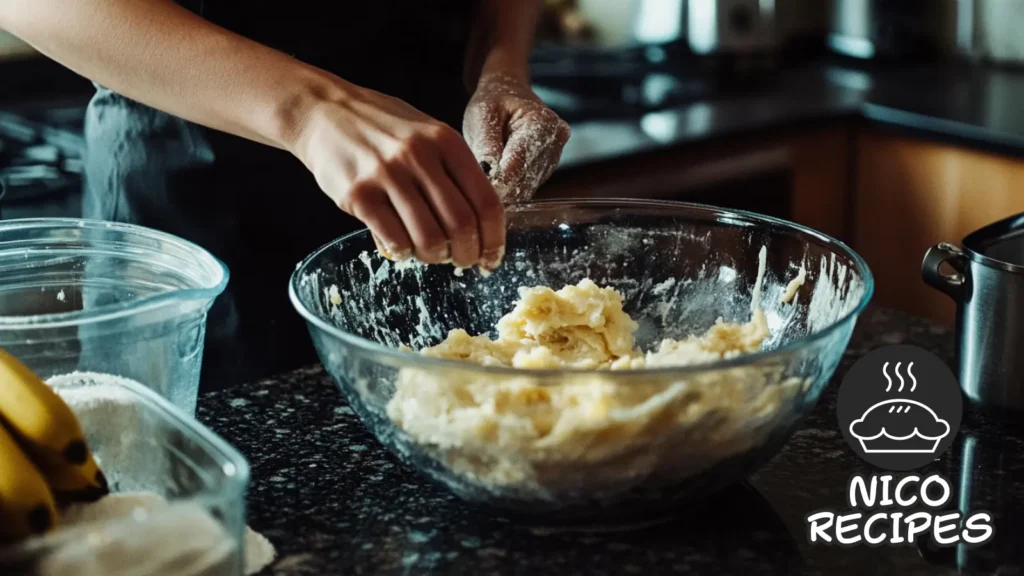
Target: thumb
484 130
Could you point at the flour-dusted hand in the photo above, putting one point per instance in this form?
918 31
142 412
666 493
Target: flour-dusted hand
410 178
512 130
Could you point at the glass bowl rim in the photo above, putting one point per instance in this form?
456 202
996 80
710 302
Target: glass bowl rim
218 271
414 359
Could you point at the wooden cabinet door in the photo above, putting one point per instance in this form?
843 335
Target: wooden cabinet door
821 181
911 194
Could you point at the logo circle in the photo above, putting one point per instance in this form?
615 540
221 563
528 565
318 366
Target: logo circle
899 407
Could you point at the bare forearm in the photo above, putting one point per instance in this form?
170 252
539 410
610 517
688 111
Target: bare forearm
503 38
162 55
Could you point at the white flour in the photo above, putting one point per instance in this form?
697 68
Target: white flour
113 421
120 433
123 535
204 543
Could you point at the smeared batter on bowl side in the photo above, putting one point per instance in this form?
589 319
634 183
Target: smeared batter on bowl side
586 430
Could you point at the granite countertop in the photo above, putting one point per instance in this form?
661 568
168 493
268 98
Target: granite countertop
334 501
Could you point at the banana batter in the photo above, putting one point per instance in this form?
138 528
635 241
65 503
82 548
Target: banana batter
548 434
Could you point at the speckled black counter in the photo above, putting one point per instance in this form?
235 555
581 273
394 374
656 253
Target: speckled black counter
335 502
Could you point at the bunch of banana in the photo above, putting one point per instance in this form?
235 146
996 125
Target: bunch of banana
44 459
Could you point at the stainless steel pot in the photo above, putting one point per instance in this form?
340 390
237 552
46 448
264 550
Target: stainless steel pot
987 284
900 28
707 26
995 34
731 26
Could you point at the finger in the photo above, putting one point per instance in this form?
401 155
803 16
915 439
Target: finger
549 162
389 250
562 135
428 238
389 234
484 130
525 147
457 217
531 154
462 168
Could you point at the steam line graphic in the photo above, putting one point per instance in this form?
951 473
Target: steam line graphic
913 380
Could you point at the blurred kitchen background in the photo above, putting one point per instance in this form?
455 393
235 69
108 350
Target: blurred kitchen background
890 124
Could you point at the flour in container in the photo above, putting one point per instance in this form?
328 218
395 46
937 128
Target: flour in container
146 517
119 533
129 535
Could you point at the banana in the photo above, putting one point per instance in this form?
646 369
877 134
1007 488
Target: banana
27 506
48 432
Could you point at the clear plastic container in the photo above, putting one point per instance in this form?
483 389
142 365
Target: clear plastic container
144 444
91 296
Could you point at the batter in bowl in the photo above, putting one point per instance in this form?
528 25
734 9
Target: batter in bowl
546 435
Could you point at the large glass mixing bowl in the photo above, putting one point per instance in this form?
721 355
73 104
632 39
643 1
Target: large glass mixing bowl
679 267
91 296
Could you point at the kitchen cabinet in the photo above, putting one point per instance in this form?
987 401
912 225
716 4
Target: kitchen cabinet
911 194
822 180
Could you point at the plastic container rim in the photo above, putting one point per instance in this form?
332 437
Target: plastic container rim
219 274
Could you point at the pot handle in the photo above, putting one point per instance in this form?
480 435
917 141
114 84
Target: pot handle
949 284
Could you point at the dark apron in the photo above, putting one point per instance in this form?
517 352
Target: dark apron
254 207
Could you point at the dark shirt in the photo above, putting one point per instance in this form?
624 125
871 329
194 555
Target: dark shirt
411 49
254 207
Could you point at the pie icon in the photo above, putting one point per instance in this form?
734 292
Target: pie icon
899 426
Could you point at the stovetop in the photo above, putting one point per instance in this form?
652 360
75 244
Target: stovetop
588 83
41 150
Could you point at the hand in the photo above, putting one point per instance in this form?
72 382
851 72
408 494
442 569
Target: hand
515 133
411 179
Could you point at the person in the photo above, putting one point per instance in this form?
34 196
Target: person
245 126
